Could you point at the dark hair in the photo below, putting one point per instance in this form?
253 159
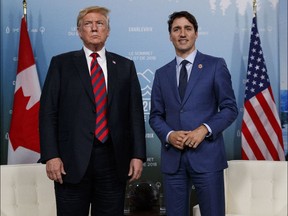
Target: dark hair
180 14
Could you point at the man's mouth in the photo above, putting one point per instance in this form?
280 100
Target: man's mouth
95 36
183 41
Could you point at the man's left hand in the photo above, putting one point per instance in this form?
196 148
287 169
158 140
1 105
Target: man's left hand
195 137
136 168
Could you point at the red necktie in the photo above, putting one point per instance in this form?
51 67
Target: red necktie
99 89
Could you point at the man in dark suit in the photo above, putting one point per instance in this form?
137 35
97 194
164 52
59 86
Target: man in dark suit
89 169
192 102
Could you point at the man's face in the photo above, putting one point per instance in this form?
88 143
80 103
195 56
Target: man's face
183 36
94 31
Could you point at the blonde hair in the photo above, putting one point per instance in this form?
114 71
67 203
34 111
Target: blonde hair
93 9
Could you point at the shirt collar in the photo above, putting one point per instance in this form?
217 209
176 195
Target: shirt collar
189 58
101 53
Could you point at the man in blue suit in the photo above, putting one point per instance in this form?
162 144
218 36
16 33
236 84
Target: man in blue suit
189 113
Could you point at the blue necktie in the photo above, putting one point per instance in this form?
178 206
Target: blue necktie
183 79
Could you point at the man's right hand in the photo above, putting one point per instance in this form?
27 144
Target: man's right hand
176 139
55 169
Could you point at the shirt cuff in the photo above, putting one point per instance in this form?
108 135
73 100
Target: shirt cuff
209 130
167 140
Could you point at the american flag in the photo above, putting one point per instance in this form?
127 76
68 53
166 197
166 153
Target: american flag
261 130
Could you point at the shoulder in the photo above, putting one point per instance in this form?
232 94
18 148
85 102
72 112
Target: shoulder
207 57
168 66
69 54
68 57
118 58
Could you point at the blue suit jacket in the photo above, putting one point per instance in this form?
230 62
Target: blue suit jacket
209 98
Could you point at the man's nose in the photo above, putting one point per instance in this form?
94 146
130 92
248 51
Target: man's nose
94 27
182 33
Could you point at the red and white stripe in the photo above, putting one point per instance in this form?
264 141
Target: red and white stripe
261 130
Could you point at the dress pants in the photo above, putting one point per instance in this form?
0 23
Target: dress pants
100 187
209 190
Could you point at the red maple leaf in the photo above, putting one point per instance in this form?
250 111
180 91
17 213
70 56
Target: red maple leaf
24 123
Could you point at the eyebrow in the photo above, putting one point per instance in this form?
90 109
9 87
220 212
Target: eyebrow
93 20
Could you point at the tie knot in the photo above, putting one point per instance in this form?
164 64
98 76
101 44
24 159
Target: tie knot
184 63
94 55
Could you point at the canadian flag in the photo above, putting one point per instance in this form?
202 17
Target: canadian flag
24 146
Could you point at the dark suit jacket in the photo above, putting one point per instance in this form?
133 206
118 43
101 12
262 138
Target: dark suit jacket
209 98
67 113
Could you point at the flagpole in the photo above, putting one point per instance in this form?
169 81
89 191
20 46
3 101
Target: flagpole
254 7
25 9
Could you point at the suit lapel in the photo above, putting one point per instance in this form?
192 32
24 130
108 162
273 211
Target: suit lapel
112 71
197 70
82 68
172 78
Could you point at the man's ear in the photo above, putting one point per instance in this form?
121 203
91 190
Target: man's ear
79 32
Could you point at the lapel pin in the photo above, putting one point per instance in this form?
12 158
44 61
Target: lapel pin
113 62
200 66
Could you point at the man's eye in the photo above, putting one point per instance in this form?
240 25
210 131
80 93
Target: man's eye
100 24
88 24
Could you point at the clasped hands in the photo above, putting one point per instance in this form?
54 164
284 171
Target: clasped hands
182 139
